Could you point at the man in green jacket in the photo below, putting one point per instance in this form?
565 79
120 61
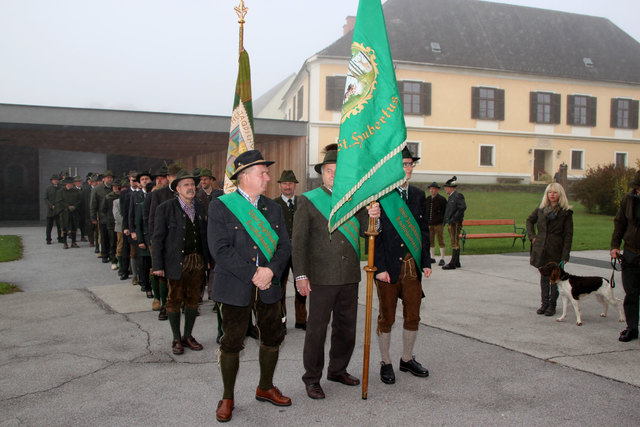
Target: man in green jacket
50 200
100 212
327 269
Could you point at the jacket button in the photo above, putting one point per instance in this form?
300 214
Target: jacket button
253 259
255 247
400 259
402 245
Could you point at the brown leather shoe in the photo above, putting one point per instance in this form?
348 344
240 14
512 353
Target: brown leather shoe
314 391
225 408
272 395
177 347
156 305
191 343
345 378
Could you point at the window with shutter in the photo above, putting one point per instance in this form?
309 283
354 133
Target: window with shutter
300 103
544 107
487 103
416 97
624 113
335 92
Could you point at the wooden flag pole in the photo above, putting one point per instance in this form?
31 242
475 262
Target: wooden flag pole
241 11
370 269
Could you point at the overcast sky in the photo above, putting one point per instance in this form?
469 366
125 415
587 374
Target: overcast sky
181 56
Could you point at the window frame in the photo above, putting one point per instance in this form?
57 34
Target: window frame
575 150
626 159
416 153
334 92
493 155
555 102
632 116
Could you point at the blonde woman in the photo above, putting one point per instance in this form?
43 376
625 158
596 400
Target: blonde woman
550 230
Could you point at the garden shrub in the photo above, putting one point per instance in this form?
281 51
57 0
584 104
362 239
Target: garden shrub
601 190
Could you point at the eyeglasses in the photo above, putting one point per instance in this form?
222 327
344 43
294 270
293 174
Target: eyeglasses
408 165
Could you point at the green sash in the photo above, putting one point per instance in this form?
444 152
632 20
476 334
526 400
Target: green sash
404 223
253 221
350 229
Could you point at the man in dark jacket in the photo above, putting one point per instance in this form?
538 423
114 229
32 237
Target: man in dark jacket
68 201
436 205
100 213
453 217
287 201
249 242
50 199
401 258
180 254
626 226
327 267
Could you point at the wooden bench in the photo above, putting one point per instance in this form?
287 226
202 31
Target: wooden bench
517 233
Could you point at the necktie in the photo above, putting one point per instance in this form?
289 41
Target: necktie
290 203
404 194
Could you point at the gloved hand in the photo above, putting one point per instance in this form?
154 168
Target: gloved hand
71 208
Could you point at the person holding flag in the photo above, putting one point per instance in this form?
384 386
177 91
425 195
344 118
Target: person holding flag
248 239
327 268
401 259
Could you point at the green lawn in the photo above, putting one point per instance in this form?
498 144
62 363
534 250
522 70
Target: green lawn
10 248
589 231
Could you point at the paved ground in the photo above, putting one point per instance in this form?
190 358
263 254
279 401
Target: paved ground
80 347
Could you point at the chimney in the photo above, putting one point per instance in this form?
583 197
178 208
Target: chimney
348 27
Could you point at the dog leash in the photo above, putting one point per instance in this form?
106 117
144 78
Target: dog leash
614 261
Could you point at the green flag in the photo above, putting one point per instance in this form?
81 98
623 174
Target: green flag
372 129
241 132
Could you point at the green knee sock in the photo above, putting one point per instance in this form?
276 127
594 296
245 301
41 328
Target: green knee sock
174 321
268 357
164 291
155 287
189 320
229 363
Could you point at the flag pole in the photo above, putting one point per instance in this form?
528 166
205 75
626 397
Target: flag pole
370 268
241 11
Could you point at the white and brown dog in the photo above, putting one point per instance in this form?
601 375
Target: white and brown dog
573 288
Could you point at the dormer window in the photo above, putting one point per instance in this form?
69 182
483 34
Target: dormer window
587 62
435 47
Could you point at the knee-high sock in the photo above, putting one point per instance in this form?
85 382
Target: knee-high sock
174 321
442 253
189 321
408 341
134 267
432 251
384 342
268 357
164 290
229 363
155 286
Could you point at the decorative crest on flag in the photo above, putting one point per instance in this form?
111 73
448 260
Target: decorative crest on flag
361 80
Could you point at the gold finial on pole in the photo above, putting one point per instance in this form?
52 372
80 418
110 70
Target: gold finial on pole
241 11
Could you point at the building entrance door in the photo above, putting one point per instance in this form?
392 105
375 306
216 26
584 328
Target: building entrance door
542 164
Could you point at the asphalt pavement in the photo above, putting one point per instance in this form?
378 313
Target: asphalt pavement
80 347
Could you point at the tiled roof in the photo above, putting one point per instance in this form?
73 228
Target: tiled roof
495 36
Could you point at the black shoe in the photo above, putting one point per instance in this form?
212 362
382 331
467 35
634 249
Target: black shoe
387 375
441 263
432 260
542 309
450 266
628 335
105 260
550 311
163 314
218 337
302 326
414 367
124 276
48 242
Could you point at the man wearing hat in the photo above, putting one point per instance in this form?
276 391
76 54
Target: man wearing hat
140 264
129 254
436 204
401 260
68 201
180 254
453 217
626 227
249 241
50 200
163 192
100 213
77 185
287 201
327 267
